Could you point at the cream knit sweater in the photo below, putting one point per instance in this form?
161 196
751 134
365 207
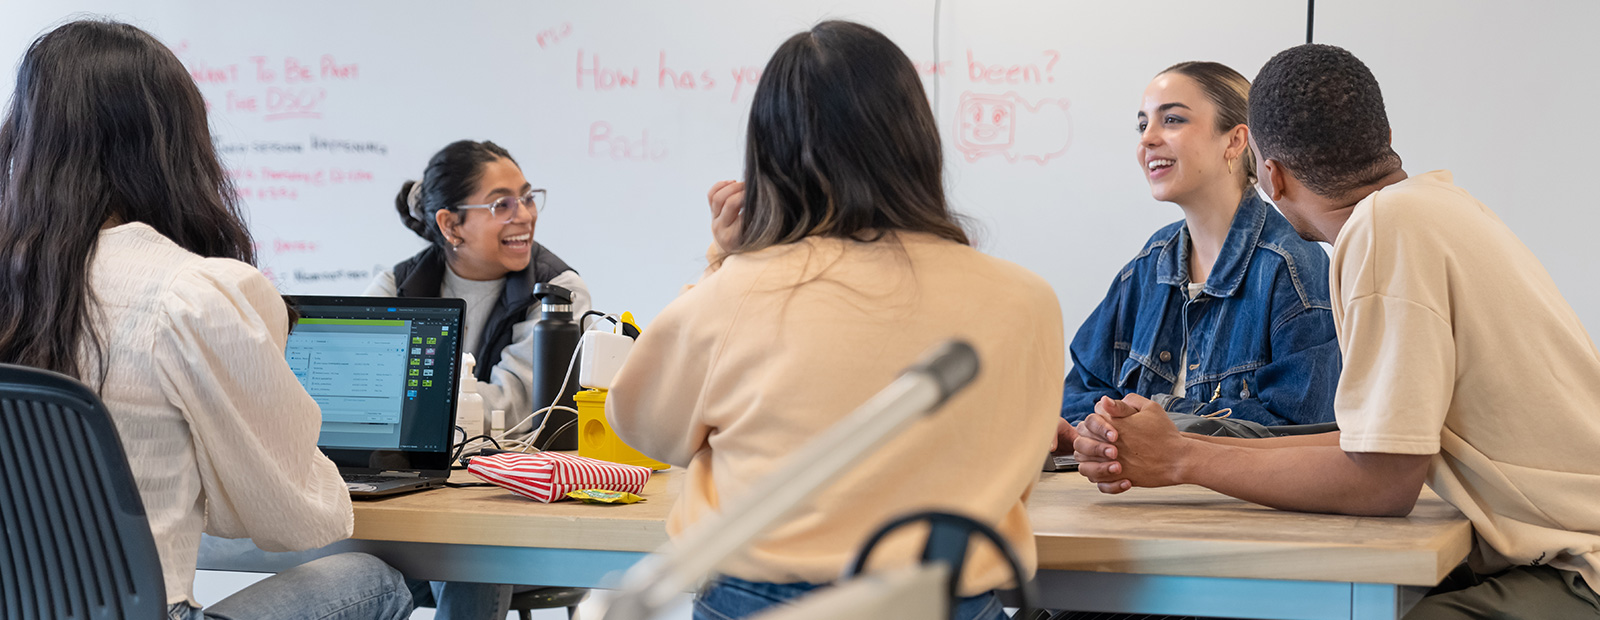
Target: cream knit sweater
220 435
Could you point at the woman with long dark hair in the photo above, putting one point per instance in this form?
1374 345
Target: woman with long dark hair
127 265
838 263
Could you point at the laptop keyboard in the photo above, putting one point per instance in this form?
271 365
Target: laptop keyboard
368 479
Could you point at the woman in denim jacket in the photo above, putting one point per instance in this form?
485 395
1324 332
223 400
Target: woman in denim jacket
1226 312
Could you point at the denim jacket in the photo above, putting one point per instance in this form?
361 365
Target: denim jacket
1261 342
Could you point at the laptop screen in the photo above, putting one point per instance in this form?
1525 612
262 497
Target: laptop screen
384 371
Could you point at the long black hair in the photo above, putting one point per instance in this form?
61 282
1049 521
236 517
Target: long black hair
105 125
842 143
452 175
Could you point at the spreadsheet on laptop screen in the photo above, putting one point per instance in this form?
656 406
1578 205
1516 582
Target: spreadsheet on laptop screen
382 376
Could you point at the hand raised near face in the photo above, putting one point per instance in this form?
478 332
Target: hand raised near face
727 213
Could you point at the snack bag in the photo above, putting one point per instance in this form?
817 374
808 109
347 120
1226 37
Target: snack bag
548 476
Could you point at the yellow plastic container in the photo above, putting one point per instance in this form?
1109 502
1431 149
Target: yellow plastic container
595 439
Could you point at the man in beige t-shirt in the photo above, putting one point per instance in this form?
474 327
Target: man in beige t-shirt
1463 365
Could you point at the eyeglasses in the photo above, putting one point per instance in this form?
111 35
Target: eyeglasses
506 207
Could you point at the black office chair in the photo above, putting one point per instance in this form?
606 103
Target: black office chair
547 598
76 544
524 602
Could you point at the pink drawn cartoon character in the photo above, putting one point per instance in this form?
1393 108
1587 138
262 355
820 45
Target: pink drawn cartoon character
1011 127
984 125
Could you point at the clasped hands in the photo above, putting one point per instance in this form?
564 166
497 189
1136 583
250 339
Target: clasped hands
1125 443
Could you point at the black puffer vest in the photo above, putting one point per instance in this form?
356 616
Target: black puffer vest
423 275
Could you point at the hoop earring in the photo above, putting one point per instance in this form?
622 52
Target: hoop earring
1230 166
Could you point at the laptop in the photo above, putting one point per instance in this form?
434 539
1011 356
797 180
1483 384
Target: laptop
383 370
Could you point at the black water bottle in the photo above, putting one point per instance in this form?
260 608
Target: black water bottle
555 338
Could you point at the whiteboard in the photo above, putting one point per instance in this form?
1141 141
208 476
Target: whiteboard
628 111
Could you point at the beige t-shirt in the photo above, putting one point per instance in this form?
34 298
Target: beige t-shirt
777 345
1457 343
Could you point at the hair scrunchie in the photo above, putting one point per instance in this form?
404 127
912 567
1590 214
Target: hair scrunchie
414 201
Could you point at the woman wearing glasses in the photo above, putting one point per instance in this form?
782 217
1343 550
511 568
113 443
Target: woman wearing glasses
478 213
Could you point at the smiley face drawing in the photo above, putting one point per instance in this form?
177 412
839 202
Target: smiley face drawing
984 125
1012 128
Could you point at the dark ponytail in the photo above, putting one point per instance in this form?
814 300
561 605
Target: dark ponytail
452 174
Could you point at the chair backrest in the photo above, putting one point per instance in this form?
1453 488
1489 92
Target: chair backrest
76 543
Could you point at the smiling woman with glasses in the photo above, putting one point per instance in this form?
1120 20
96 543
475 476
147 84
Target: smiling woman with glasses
477 212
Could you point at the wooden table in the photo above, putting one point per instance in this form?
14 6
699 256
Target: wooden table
1181 550
1189 550
486 535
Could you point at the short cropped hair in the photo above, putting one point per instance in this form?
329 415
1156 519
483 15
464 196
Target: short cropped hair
1317 109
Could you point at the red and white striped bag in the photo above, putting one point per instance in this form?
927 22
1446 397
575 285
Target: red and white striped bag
549 476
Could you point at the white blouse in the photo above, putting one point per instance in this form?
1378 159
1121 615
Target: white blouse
219 434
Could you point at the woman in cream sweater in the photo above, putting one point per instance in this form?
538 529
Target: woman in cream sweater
128 267
837 263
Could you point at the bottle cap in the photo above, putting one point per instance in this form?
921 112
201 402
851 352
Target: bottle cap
469 382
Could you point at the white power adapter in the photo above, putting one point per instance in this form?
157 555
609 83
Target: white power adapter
603 354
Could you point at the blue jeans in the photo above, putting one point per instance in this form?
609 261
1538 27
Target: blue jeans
348 585
458 600
731 598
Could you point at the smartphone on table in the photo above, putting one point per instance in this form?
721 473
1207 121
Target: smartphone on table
1060 462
